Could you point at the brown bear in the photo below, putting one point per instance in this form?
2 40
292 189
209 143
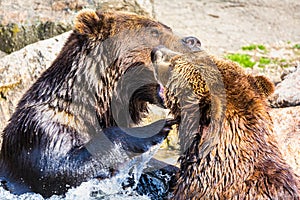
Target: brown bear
226 133
75 122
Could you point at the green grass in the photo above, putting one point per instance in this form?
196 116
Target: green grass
252 47
296 46
282 60
258 55
243 59
261 47
264 61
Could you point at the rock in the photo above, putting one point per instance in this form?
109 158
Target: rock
26 22
287 132
287 93
14 36
21 68
287 71
142 7
272 71
2 54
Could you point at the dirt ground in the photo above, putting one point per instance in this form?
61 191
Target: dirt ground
226 25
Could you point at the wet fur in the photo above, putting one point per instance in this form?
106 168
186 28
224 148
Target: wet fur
70 109
228 151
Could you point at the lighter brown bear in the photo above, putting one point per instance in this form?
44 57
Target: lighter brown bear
226 133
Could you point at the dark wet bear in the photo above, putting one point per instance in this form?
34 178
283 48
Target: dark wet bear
67 127
228 151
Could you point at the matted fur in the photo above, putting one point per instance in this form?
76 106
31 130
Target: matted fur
65 128
233 156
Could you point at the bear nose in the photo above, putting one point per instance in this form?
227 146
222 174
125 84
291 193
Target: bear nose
192 43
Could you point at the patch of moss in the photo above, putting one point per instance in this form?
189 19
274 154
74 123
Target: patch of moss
252 47
282 60
259 55
14 36
15 30
5 88
261 47
243 59
296 46
264 61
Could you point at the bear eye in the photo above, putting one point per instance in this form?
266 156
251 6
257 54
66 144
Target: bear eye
154 33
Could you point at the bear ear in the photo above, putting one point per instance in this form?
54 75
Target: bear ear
264 86
87 23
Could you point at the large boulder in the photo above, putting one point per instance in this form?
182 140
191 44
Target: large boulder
2 54
14 36
287 132
21 68
287 92
26 22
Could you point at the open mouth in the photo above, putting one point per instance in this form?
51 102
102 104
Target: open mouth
161 91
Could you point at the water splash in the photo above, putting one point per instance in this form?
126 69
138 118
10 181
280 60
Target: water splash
107 189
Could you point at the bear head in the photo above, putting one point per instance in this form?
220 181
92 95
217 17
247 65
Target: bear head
116 47
202 89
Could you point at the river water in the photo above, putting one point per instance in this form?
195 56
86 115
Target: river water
111 189
108 189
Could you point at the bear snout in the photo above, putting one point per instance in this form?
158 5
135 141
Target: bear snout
192 43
